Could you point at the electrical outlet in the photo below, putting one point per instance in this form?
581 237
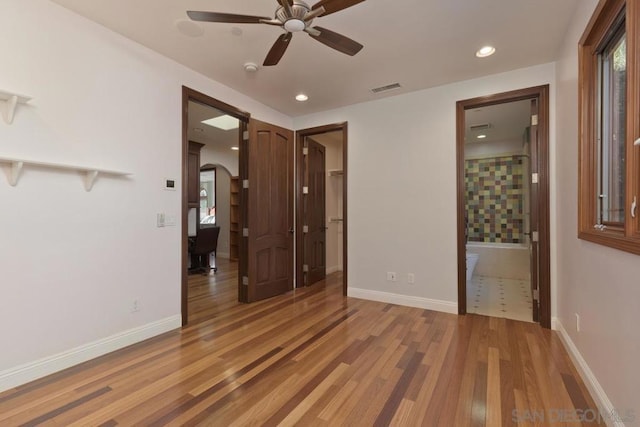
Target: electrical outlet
391 276
411 278
577 322
135 306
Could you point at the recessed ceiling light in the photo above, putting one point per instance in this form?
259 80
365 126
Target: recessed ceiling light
235 148
301 97
223 122
485 51
481 136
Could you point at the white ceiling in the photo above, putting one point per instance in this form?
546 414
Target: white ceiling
417 43
205 134
507 123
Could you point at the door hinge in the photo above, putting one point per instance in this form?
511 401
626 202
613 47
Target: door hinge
536 294
305 190
534 236
245 183
534 120
305 268
245 135
245 232
245 281
305 228
534 178
305 151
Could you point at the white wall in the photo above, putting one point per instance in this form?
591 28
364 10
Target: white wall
73 261
217 154
598 283
402 185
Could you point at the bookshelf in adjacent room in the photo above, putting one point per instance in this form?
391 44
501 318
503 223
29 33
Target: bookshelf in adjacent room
234 238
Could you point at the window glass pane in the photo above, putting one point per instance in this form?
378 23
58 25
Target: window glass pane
613 135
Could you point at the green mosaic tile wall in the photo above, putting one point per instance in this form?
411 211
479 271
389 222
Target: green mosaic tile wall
495 199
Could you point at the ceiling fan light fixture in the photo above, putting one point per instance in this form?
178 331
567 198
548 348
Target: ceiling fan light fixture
301 97
294 25
485 51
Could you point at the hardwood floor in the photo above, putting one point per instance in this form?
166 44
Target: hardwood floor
313 357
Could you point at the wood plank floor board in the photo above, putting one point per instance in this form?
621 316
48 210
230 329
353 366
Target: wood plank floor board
312 357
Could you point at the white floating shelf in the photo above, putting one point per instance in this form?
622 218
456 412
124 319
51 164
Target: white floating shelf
8 103
335 172
90 173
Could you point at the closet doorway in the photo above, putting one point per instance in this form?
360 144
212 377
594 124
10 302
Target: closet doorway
321 204
503 205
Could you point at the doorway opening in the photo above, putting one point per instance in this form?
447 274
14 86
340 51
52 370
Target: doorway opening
321 205
503 206
212 140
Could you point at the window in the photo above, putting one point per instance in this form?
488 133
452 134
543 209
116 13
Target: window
609 102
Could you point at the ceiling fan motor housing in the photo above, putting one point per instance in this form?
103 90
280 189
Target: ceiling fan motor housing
299 11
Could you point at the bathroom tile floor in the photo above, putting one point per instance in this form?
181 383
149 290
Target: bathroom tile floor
497 297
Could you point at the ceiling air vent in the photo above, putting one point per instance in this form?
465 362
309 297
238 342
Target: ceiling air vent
386 88
483 126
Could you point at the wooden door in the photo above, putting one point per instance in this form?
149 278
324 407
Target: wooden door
315 250
270 211
533 210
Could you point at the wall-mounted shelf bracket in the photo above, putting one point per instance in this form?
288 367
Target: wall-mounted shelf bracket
16 168
90 179
8 103
90 174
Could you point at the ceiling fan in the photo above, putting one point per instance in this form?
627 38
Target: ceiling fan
294 16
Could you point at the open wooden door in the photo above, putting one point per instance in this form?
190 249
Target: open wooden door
269 226
315 251
533 203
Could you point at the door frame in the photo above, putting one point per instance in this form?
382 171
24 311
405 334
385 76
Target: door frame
541 93
300 136
189 94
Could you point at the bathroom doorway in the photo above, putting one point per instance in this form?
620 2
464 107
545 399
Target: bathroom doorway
503 206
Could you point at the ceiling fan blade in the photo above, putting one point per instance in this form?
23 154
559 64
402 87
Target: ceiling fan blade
287 6
337 41
332 6
278 49
229 18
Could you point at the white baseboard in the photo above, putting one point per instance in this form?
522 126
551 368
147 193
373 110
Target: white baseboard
333 269
595 389
409 301
40 368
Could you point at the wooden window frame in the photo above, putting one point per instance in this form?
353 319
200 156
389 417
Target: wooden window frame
596 35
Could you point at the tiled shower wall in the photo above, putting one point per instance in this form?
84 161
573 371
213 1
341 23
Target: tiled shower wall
495 199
